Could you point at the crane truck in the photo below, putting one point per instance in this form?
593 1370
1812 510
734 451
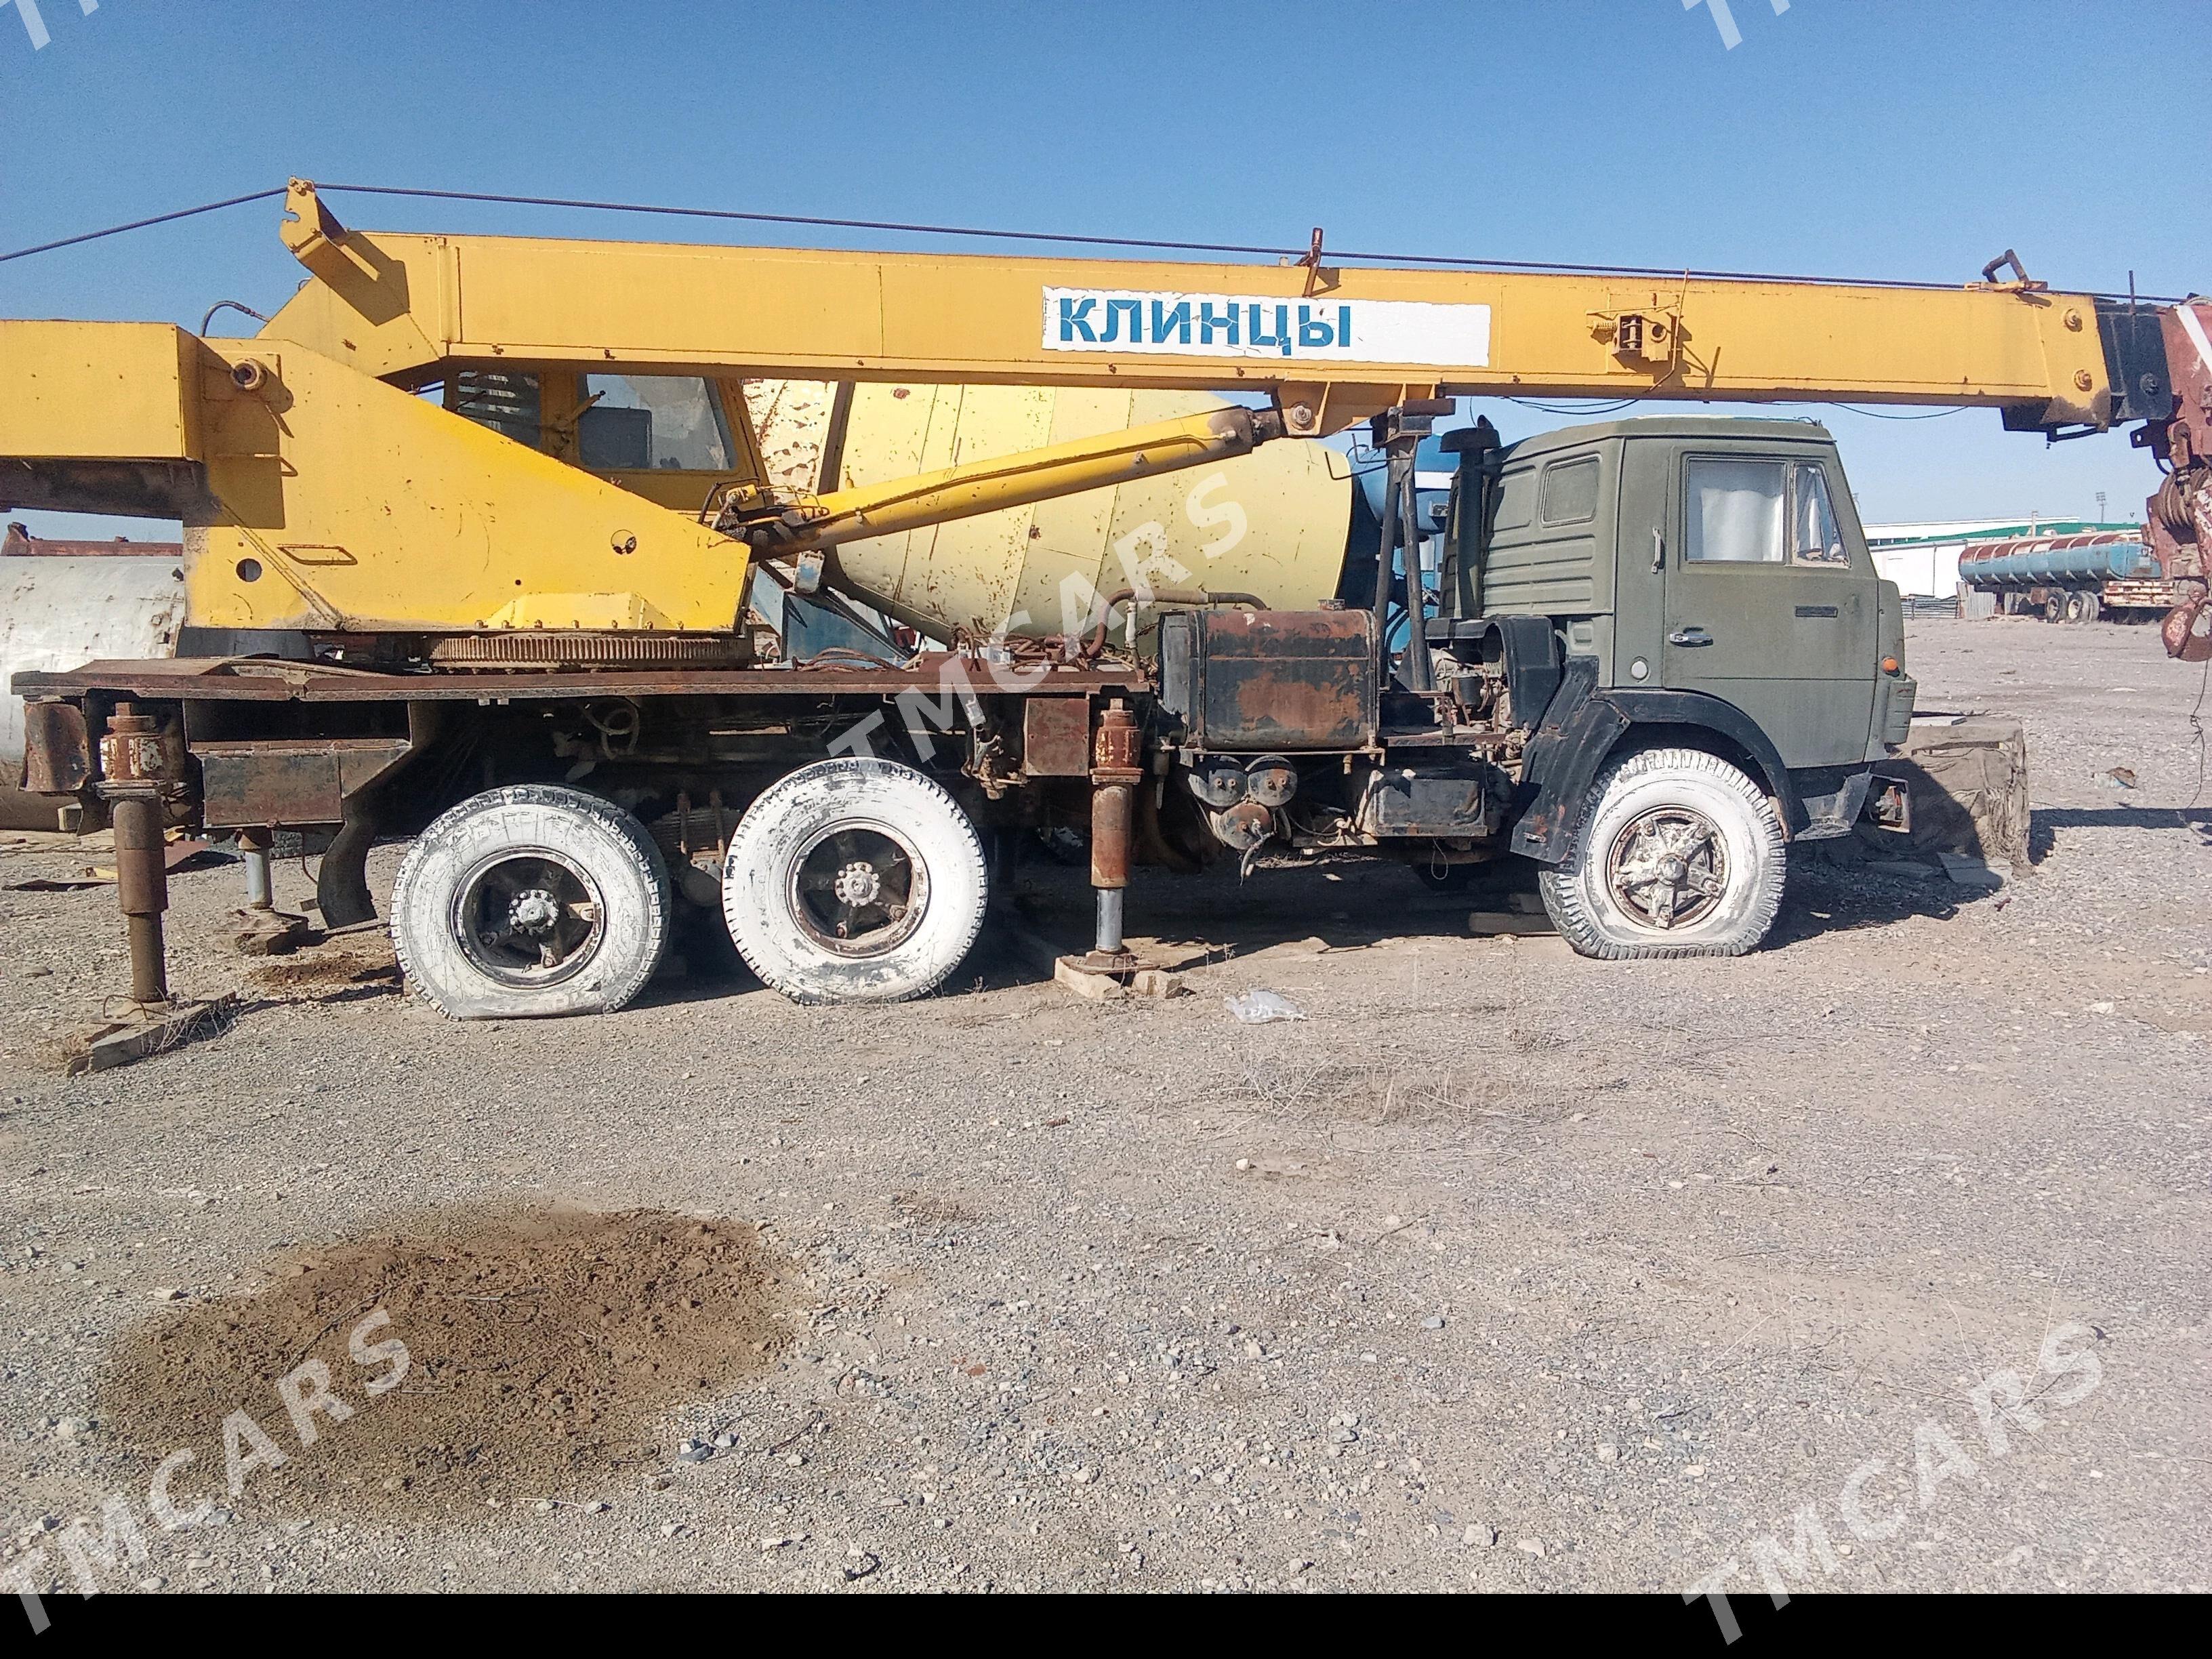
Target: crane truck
480 544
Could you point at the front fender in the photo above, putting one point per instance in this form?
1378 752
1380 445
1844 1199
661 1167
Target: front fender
1585 725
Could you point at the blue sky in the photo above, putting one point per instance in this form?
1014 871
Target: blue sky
1850 137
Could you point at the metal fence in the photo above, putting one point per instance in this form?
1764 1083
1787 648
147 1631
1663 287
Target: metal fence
1931 605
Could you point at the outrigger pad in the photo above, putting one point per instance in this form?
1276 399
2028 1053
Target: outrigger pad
1965 779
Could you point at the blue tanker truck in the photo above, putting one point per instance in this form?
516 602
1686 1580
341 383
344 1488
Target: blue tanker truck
2077 578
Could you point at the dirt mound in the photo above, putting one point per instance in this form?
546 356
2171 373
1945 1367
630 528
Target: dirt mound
542 1352
362 962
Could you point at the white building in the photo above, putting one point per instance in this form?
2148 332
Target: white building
1923 559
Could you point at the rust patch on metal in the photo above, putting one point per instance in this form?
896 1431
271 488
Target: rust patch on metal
1287 679
2187 631
1112 814
1056 736
266 784
57 751
1117 743
1115 775
20 543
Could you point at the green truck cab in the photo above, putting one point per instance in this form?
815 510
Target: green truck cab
1717 557
1661 655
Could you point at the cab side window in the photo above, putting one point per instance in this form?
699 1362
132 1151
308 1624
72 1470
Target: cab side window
508 403
1516 500
1736 511
1570 491
1814 539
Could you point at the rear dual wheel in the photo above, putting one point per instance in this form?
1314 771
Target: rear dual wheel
855 880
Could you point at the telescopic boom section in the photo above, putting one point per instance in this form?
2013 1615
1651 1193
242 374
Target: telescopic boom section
1331 346
318 495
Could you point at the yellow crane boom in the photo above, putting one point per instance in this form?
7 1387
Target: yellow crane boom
1333 345
319 493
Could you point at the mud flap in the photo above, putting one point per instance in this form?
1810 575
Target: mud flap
342 894
1831 816
1578 731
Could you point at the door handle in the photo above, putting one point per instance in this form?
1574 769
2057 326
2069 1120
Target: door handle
1689 636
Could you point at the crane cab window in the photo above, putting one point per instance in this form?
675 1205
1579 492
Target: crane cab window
510 404
652 423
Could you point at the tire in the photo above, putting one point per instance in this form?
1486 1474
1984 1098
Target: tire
2074 608
2093 606
1662 801
855 880
531 869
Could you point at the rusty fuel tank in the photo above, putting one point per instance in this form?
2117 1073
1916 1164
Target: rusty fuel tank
1246 681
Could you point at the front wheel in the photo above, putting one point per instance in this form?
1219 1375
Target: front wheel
853 880
531 900
1678 854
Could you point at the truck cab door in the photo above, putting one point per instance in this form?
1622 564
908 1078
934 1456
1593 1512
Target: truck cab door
1768 605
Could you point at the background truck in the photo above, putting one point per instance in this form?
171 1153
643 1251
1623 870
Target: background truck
480 542
2112 574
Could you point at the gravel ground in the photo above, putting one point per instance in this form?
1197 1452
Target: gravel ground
1502 1269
